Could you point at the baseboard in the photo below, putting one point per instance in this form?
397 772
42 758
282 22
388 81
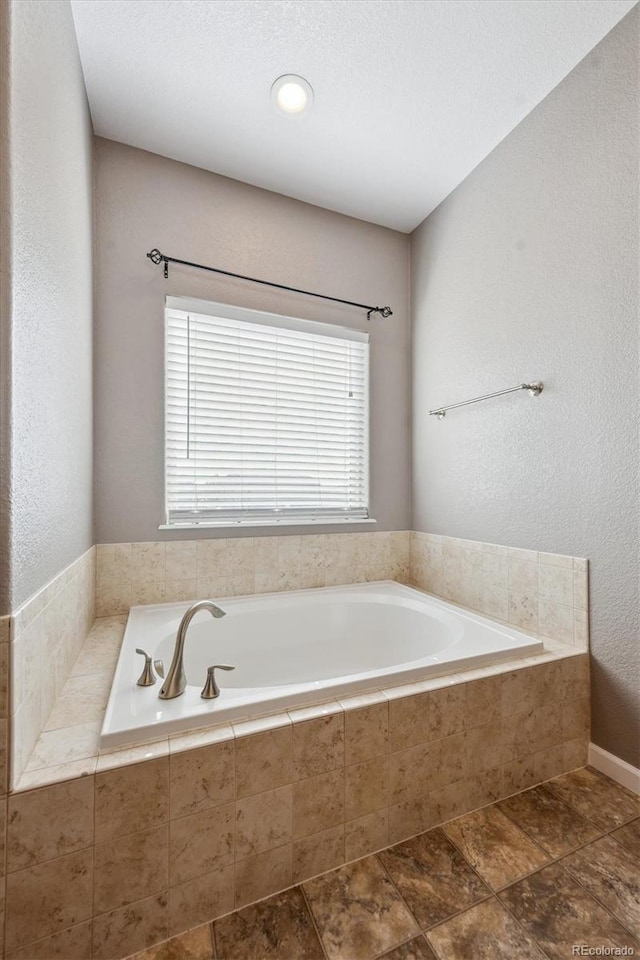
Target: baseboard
619 770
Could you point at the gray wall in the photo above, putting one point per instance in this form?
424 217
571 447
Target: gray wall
529 270
143 201
46 304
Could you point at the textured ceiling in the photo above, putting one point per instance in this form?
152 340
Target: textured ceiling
410 95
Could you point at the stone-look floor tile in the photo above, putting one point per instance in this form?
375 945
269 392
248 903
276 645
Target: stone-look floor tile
366 732
263 821
71 944
558 912
610 873
318 853
201 900
263 761
130 929
51 896
279 928
416 949
408 721
318 803
433 877
49 822
495 847
200 843
485 932
547 820
366 834
597 798
131 799
196 944
366 787
358 911
201 779
318 745
130 868
629 836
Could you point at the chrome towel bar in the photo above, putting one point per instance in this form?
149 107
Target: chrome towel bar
534 389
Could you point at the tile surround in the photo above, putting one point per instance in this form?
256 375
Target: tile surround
258 819
47 633
359 748
541 593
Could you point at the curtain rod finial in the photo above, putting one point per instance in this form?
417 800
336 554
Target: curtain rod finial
155 256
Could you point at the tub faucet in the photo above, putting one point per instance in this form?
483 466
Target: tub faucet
176 679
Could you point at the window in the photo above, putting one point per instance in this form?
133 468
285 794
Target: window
266 418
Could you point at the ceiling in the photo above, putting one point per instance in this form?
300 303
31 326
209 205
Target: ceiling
410 95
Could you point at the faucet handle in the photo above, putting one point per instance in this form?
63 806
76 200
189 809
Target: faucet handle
159 665
147 678
211 690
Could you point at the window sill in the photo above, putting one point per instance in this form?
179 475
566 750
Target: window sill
268 524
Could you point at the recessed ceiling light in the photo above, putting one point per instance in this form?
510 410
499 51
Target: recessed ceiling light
292 94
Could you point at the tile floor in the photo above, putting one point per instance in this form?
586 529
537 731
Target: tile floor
528 878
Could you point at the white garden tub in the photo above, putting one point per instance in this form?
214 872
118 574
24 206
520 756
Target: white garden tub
294 649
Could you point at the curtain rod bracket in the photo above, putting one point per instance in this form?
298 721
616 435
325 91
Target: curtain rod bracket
157 257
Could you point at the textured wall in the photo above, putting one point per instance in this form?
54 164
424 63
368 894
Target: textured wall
530 270
50 316
142 201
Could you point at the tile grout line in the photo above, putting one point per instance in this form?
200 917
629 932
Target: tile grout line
307 904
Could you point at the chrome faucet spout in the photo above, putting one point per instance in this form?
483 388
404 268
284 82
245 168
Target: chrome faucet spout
176 679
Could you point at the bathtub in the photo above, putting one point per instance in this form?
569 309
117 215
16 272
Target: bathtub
294 649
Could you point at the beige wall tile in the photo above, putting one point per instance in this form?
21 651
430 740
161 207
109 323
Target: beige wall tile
366 834
130 929
200 843
555 621
409 818
555 583
201 900
147 591
519 775
201 779
575 753
43 899
318 803
318 853
485 787
495 601
263 761
71 944
576 718
263 821
112 597
575 677
49 822
483 700
549 763
130 799
318 745
449 801
518 692
180 560
447 710
366 732
408 721
131 868
410 770
448 761
263 875
483 748
548 682
148 562
366 787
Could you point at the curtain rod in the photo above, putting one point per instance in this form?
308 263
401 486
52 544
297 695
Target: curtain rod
157 257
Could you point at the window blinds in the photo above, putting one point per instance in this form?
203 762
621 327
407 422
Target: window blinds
266 418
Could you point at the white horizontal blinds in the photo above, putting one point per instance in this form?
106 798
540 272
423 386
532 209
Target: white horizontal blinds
264 422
